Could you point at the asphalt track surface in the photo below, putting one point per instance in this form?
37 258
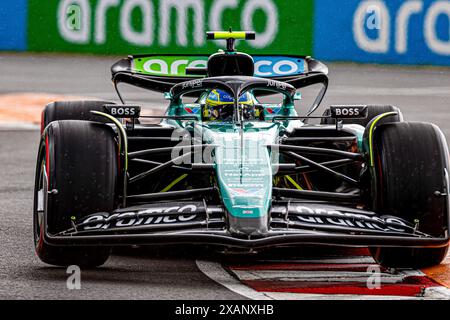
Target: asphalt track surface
423 94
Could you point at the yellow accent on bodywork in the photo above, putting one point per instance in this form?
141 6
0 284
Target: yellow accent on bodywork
294 183
229 35
371 129
174 182
122 131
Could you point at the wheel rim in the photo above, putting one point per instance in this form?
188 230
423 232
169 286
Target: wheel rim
40 200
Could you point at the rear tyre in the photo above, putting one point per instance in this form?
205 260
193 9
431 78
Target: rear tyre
372 112
410 160
72 110
77 164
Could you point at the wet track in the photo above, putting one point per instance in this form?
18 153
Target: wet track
423 94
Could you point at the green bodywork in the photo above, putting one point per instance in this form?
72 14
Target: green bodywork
244 165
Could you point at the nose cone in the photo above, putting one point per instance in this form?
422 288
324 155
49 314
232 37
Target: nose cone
244 174
245 183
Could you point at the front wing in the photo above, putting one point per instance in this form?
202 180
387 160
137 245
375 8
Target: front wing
291 223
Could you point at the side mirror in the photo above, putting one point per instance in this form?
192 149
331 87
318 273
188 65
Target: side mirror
297 96
167 96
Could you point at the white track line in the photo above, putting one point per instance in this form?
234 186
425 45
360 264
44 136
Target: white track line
215 272
437 293
307 296
351 260
315 276
8 126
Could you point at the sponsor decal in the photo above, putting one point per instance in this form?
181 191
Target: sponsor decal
276 84
194 110
328 216
173 66
348 111
268 66
192 84
123 111
273 110
168 66
144 217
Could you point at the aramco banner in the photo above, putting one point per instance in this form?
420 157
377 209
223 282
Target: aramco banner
167 26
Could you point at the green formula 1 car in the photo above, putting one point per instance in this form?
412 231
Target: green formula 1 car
222 167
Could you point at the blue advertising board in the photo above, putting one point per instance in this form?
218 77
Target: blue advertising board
13 21
383 31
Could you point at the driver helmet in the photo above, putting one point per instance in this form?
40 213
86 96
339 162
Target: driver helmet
219 106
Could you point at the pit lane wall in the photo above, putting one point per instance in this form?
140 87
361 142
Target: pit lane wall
368 31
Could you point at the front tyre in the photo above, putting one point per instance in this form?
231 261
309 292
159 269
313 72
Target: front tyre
410 164
73 110
76 175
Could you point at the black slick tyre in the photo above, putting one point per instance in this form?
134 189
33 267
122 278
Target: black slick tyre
76 175
410 164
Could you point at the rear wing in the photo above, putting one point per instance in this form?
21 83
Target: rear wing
161 72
